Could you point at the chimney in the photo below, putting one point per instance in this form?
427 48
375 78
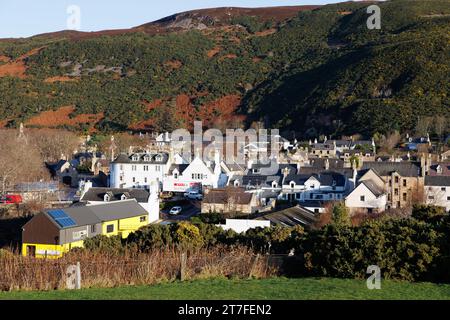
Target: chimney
327 164
85 187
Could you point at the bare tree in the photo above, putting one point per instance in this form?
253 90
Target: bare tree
53 144
20 161
389 142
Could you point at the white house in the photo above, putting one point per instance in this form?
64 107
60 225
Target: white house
367 197
139 170
437 191
197 174
148 199
326 186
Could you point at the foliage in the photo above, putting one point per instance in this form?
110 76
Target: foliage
321 72
103 243
340 215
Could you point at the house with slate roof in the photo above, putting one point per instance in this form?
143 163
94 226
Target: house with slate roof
139 170
55 232
403 181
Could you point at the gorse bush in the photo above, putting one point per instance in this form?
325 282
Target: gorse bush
416 248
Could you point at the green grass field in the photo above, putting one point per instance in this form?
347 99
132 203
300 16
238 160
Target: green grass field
276 288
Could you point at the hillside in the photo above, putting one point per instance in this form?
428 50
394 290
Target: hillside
307 69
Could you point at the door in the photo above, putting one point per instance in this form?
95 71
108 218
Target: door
31 251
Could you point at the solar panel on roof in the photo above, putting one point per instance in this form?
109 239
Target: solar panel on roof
61 218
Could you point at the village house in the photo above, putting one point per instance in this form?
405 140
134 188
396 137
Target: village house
230 200
323 186
139 170
53 233
368 197
403 181
148 199
437 185
195 175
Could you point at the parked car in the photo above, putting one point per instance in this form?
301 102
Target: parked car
11 199
193 195
175 211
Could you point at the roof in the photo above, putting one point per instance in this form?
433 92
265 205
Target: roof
443 166
223 195
179 167
437 181
376 190
405 169
98 194
328 178
258 180
124 158
89 215
291 217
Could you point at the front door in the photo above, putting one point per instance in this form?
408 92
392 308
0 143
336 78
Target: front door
31 251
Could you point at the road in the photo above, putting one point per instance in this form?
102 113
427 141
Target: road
189 210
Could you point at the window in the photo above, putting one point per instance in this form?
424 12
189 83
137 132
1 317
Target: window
121 167
109 228
316 210
145 168
133 168
404 196
93 228
134 179
145 180
404 182
396 179
135 158
443 189
396 191
448 198
143 219
363 198
158 168
292 185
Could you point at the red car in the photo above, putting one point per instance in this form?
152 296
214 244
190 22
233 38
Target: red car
11 199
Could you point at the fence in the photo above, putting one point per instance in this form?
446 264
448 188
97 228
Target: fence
101 270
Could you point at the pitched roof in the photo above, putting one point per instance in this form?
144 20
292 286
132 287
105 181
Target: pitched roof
437 181
405 169
290 217
222 196
98 194
89 215
376 190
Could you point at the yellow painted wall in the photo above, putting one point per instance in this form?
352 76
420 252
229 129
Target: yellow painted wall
127 226
123 227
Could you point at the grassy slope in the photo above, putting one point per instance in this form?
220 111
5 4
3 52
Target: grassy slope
276 288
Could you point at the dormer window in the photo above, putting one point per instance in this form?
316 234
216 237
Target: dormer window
255 171
123 197
439 169
292 184
107 198
147 158
236 183
158 158
135 157
274 184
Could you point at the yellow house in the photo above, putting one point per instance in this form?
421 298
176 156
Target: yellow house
55 232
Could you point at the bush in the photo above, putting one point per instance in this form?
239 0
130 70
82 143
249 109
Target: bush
103 243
